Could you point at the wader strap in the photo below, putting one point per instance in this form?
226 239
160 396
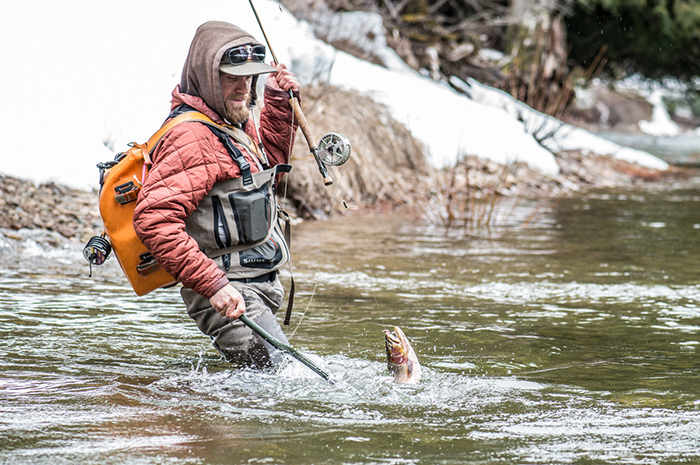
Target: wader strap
187 113
284 216
238 134
290 303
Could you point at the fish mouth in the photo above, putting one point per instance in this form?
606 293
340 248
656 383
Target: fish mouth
396 345
399 339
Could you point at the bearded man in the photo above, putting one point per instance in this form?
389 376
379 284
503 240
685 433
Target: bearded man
207 210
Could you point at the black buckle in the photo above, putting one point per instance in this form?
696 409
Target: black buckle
126 192
147 264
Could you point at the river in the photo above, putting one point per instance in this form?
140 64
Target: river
682 151
572 340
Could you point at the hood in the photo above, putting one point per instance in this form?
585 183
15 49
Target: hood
200 75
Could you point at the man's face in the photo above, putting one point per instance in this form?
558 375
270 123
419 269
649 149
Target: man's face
236 93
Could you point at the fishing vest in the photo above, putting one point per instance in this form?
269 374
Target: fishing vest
237 223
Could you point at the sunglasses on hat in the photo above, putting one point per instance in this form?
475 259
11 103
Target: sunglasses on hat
237 56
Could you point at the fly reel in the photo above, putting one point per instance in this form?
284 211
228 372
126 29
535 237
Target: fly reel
334 148
96 251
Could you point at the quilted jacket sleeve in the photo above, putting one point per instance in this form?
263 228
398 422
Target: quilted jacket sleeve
276 129
189 161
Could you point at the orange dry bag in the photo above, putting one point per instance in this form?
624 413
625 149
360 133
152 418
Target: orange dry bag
121 181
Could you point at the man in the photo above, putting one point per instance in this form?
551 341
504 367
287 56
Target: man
207 211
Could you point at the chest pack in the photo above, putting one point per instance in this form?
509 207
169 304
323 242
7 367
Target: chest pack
120 183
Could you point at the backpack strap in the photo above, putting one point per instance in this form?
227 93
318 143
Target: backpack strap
238 134
217 129
171 123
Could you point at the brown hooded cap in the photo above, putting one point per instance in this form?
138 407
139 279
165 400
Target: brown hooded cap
200 75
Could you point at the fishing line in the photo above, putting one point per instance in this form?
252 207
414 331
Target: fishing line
323 254
332 200
323 248
335 149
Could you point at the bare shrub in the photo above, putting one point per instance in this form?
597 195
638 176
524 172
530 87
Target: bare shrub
477 194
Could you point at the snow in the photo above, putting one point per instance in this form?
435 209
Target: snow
563 136
81 76
661 123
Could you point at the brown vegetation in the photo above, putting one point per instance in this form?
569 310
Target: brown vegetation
387 165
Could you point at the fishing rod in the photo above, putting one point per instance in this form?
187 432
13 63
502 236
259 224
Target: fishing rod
282 346
333 148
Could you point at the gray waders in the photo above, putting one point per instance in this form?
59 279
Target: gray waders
233 339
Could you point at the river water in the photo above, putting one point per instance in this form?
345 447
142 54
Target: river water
675 150
572 340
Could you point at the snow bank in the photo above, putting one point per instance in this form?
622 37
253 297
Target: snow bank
556 135
85 78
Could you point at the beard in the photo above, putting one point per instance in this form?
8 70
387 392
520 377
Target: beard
237 112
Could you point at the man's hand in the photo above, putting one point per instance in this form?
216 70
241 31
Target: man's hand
284 79
228 302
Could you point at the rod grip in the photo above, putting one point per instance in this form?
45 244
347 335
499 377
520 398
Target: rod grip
303 124
284 347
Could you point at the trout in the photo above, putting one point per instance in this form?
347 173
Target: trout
401 357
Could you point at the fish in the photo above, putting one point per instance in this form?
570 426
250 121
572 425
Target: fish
401 358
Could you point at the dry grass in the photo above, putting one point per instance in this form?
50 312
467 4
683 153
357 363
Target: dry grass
474 194
387 165
477 194
471 206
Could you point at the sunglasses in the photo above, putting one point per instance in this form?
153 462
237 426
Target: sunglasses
239 55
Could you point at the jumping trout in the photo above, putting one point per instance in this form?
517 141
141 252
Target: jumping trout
403 363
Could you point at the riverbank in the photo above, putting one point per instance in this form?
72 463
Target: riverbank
74 215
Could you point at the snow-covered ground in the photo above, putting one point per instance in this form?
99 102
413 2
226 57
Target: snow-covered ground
81 76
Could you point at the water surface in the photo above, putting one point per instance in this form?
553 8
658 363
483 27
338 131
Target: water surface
574 340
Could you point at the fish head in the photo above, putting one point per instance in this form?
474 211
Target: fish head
401 358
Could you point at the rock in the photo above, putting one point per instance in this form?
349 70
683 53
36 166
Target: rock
70 212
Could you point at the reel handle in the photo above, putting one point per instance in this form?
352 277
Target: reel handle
304 125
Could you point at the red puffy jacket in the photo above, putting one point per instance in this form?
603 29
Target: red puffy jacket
188 162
